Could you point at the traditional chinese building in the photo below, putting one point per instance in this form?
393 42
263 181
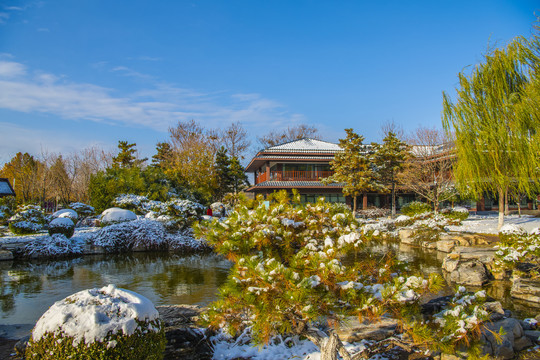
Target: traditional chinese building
5 188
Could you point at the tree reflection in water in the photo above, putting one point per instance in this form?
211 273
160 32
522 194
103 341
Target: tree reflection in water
28 288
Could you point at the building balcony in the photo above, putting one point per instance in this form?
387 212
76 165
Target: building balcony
292 176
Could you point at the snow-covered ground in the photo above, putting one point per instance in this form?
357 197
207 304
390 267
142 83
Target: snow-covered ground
487 224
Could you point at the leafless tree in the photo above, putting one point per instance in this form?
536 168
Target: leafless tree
235 139
429 171
291 133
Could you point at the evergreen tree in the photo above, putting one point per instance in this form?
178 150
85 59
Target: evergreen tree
239 179
163 157
126 157
222 173
496 122
390 159
354 168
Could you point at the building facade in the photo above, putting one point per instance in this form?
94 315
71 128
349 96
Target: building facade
299 164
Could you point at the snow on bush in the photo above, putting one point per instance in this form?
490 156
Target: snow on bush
219 209
415 208
457 213
116 215
517 246
66 213
28 219
373 213
83 210
62 225
140 234
106 323
53 246
177 214
5 214
132 202
145 234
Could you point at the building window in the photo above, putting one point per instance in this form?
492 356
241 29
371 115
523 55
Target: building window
332 198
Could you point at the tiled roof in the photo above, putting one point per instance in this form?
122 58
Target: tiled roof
292 184
5 188
305 145
287 157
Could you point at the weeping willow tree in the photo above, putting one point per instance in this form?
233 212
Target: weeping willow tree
495 119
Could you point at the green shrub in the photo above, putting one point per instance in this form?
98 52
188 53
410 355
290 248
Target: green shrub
28 220
106 323
415 208
63 226
457 213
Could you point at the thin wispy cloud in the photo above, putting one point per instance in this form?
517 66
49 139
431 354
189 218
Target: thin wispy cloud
158 107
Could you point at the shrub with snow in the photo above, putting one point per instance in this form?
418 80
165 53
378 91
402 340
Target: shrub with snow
457 213
29 219
176 214
5 214
55 245
415 208
83 210
66 213
106 323
516 246
139 234
373 213
116 215
62 225
135 203
289 274
219 209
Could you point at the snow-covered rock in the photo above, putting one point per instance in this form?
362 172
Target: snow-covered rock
100 320
117 215
66 213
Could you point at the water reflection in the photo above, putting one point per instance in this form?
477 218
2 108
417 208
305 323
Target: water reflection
27 289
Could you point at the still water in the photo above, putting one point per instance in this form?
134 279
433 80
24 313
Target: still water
27 289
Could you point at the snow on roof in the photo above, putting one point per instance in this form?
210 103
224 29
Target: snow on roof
305 145
5 189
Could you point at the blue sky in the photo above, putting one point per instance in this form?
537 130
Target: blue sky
92 72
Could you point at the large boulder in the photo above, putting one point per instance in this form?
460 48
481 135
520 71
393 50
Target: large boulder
526 289
465 272
106 323
66 213
513 340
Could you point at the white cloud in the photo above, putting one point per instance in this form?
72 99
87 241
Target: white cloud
11 69
158 107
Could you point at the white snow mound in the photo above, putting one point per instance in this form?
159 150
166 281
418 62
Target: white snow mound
512 229
113 215
66 213
62 222
460 209
90 315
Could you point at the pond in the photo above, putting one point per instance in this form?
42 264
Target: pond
27 289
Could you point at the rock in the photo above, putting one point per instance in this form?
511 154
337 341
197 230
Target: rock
512 341
429 245
177 315
526 289
471 272
445 245
354 331
533 335
20 346
184 339
6 255
436 305
495 309
406 236
93 249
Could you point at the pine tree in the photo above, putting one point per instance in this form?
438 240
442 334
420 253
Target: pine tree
126 157
496 123
354 167
390 159
164 155
222 173
239 179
